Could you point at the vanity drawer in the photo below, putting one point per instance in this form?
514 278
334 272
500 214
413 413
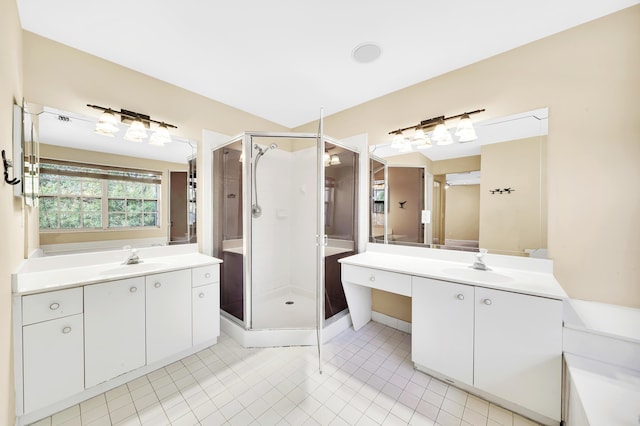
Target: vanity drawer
51 305
382 280
205 275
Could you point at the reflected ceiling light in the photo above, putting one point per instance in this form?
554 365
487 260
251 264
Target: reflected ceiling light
425 145
335 160
465 131
108 125
405 148
419 137
440 135
136 132
241 159
398 141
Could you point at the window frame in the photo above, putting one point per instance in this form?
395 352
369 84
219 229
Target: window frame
105 175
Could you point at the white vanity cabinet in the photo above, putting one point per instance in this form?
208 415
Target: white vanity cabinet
518 349
114 329
506 344
168 314
442 330
205 302
52 336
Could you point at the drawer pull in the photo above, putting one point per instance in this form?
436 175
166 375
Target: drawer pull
157 285
372 278
207 275
66 330
54 306
133 289
201 295
487 301
460 296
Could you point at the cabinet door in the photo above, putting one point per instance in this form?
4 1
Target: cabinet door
518 349
53 361
442 329
168 314
206 313
114 329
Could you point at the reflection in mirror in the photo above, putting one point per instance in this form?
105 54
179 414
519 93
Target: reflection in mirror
99 192
406 198
340 192
488 193
378 195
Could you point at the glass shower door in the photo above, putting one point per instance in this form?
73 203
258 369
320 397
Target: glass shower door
228 243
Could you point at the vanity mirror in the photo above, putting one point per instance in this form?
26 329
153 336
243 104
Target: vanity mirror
99 192
488 193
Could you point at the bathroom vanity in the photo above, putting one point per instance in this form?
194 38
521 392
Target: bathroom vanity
81 330
497 333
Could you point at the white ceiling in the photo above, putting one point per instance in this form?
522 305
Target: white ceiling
284 59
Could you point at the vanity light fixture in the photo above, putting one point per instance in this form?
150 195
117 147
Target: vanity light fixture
136 132
161 136
465 131
440 135
108 125
335 160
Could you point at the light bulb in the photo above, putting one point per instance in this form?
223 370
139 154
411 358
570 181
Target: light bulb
465 131
136 132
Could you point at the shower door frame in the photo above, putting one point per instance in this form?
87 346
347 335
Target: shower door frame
247 188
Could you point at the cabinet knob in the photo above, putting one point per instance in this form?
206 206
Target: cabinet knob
157 285
207 275
201 295
66 330
487 301
54 306
460 296
133 289
372 278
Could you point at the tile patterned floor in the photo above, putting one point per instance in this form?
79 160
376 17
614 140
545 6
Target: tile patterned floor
368 379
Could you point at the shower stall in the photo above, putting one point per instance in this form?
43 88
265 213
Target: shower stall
284 212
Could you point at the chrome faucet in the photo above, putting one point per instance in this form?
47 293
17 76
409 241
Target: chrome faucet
133 258
479 263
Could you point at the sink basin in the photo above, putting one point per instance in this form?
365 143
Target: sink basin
133 269
477 275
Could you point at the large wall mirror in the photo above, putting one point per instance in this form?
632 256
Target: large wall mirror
488 193
104 192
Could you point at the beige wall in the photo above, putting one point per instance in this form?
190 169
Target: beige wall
588 77
11 210
511 223
462 212
79 155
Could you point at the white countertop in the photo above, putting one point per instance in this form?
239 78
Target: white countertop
604 319
58 274
515 279
609 395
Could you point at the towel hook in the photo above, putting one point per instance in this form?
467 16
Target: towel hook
7 165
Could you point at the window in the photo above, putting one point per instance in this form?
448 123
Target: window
92 197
